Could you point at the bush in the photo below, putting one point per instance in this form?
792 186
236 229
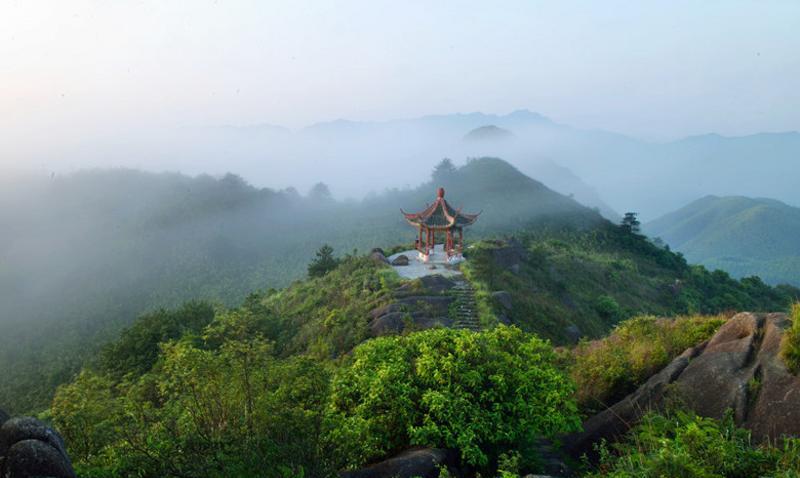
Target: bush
231 412
790 344
686 445
608 369
481 393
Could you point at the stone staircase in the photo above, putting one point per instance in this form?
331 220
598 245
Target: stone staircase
466 314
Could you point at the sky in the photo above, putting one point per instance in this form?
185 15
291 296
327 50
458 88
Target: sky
78 72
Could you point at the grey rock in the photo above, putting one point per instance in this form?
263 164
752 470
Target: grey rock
3 417
436 284
573 333
378 256
27 428
420 462
419 312
509 255
401 260
387 324
35 458
504 299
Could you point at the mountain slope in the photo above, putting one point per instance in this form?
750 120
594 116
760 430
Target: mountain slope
83 255
745 236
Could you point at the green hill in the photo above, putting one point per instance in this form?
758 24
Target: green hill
744 236
296 377
83 255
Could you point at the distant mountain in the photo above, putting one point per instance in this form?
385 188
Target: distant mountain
744 236
489 133
623 173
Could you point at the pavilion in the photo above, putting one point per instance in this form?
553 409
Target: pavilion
440 217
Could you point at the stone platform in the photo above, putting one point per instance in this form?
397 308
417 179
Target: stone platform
437 264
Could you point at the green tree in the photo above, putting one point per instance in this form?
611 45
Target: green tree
443 172
323 263
631 223
481 393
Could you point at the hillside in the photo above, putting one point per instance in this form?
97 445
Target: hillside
85 254
744 236
204 391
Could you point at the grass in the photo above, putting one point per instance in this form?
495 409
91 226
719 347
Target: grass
790 344
608 369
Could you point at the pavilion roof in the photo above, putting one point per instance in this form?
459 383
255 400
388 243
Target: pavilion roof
440 215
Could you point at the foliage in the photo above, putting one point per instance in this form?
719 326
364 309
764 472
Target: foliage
686 445
325 316
230 411
323 263
630 223
481 393
568 277
790 343
608 369
137 348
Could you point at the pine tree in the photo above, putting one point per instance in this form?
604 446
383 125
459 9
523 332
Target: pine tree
630 223
443 172
323 263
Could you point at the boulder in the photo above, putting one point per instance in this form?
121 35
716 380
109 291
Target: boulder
34 458
29 448
436 284
28 428
3 417
418 462
401 260
419 311
378 256
504 299
509 255
739 368
573 333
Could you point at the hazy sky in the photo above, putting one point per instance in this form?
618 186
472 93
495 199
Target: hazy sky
73 71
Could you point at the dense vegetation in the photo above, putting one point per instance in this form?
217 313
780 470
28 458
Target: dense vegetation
686 445
481 393
594 278
210 391
223 403
744 236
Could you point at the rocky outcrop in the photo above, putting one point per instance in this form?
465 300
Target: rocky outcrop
739 369
28 448
419 462
418 305
510 255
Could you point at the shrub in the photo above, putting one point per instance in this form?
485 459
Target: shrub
481 393
608 369
686 445
790 344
